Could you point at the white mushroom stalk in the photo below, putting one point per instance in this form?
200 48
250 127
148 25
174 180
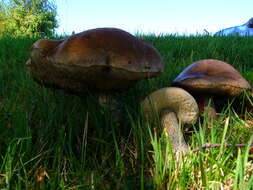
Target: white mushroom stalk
176 108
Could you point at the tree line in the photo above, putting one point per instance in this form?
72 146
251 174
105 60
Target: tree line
28 17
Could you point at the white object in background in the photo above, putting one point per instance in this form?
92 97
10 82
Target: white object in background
242 30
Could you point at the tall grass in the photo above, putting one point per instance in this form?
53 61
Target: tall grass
53 140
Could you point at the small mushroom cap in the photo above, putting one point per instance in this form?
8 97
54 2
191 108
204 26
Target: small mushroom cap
174 99
97 59
213 77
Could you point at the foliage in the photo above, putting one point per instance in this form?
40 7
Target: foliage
27 17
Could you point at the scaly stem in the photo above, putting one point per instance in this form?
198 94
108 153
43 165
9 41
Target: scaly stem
108 102
173 130
206 105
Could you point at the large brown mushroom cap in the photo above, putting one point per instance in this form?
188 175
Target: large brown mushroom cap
97 59
212 76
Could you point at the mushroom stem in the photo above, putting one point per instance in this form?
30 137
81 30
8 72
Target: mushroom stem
173 130
104 100
109 103
249 101
206 105
177 107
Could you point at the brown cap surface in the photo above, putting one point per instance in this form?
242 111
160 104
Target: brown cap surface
97 59
213 77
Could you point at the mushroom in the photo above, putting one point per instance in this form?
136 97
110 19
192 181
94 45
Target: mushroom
101 60
176 108
209 77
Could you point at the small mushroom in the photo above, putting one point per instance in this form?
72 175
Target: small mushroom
209 77
102 60
176 108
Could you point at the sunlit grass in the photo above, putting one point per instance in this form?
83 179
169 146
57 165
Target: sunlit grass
53 140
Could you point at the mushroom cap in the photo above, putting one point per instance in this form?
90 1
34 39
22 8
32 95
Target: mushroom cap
174 99
213 77
97 59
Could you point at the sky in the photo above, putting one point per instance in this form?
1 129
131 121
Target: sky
152 16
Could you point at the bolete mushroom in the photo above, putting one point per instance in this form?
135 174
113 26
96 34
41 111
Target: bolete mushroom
100 60
209 77
176 108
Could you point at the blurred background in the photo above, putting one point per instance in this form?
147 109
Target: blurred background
147 16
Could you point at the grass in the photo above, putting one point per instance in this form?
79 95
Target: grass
53 140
